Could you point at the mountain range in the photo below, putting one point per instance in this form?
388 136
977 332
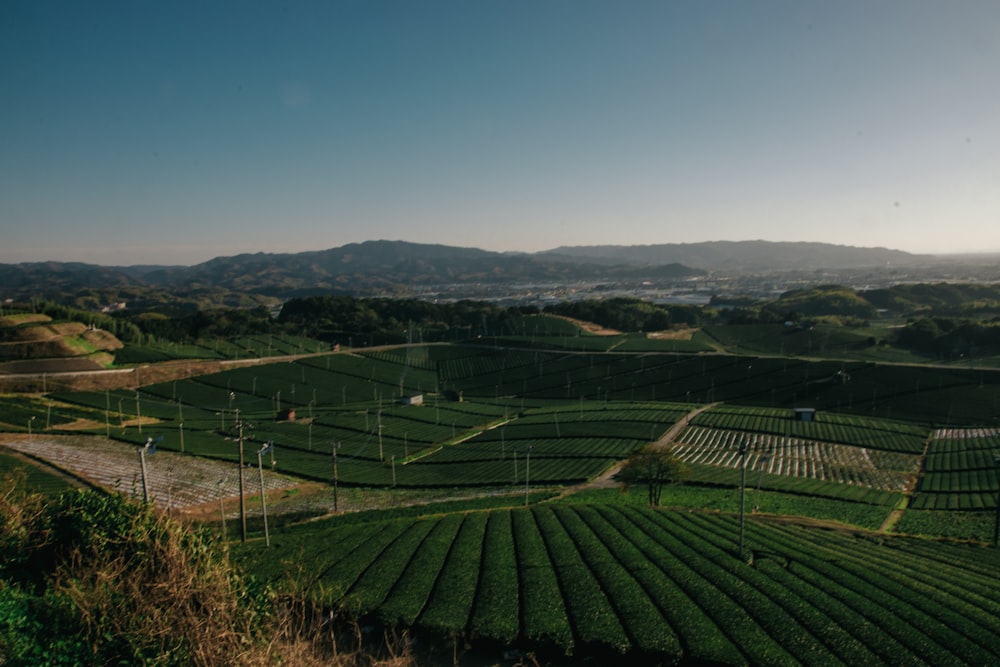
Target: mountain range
382 267
743 256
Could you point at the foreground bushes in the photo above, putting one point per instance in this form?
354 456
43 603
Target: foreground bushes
91 579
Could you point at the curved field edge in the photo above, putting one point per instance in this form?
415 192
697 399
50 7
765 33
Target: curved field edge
671 585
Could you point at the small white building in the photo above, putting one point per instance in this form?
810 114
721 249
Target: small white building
415 399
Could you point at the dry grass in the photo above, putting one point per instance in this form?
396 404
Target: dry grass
23 318
102 340
673 334
589 327
142 588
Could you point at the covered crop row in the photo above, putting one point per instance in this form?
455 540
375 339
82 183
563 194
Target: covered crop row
877 434
966 433
780 455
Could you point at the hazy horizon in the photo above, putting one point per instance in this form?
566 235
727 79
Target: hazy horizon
945 256
175 133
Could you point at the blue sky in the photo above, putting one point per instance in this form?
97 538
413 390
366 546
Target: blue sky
173 132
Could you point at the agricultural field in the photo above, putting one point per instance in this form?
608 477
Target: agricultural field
23 412
863 459
831 341
351 404
921 394
974 526
172 481
485 410
795 457
39 479
149 353
890 449
552 332
655 586
35 343
961 470
857 431
244 347
783 496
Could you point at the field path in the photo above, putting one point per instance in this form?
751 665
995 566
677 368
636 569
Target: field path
895 515
606 480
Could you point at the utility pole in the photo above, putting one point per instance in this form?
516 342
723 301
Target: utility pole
381 457
336 446
743 489
527 473
148 448
243 509
267 447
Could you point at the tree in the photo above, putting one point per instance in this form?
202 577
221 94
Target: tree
655 466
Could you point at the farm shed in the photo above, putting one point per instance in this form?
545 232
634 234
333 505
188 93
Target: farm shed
416 399
805 414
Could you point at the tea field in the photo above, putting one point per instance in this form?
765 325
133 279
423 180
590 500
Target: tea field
882 450
658 586
496 417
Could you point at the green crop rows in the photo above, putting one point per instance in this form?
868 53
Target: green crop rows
37 479
919 394
615 578
487 410
960 472
52 412
626 579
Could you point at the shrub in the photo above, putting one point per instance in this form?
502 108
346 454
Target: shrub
91 578
95 579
